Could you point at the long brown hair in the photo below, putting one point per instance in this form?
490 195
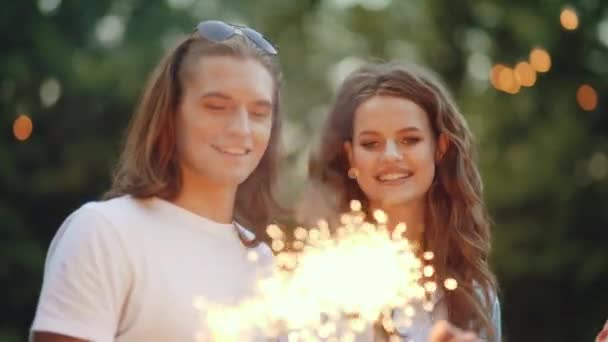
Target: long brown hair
458 226
148 163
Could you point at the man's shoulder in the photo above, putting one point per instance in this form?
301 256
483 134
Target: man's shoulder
119 207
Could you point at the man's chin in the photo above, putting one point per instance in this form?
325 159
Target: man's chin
229 179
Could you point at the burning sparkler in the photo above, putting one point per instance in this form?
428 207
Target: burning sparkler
332 286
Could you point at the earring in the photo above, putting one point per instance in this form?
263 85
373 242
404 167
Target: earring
353 173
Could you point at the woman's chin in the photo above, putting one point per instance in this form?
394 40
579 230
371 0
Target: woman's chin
399 200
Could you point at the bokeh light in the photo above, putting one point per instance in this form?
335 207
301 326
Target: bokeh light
503 78
569 19
48 7
508 82
540 60
525 74
110 30
23 127
586 97
50 92
598 166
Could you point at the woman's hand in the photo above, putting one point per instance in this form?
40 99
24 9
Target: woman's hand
443 331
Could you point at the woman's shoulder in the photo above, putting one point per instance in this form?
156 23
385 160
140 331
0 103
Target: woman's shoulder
487 294
490 298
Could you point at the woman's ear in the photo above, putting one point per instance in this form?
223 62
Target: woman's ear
348 148
443 143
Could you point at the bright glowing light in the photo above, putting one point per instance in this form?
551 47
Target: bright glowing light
568 18
23 127
380 216
355 205
450 284
110 30
478 66
495 74
300 233
586 97
504 79
525 74
277 245
428 271
332 286
540 60
252 256
50 91
274 231
48 7
602 31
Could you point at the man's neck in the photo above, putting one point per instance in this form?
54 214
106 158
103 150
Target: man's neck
212 201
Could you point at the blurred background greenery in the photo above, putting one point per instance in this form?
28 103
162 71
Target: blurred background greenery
74 71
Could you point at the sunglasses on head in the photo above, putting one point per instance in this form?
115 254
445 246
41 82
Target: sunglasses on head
219 31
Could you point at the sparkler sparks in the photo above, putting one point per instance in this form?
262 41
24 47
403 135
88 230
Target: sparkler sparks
332 286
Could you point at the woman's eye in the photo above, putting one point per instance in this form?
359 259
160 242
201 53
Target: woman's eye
410 140
369 144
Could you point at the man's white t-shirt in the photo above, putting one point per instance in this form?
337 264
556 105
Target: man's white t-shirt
129 270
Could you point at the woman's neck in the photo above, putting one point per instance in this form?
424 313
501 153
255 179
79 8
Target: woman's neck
412 214
212 201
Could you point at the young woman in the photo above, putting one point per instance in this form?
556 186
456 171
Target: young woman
395 141
200 155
